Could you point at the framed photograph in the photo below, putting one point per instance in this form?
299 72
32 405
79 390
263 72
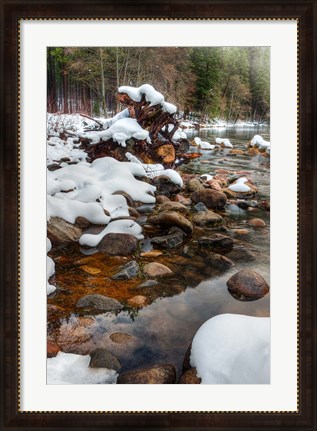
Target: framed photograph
139 187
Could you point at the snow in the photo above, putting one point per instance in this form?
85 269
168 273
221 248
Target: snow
86 190
239 186
225 142
71 369
58 149
206 177
117 226
151 95
204 145
120 131
232 349
50 268
258 141
155 170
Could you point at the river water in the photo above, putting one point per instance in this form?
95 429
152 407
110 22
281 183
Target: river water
178 305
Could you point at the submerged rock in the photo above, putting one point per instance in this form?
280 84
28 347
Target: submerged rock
118 244
149 283
100 302
248 283
219 262
256 223
172 218
130 270
213 199
217 242
60 231
207 218
158 374
155 269
138 301
170 241
120 337
102 358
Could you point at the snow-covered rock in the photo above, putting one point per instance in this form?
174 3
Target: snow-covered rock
225 142
232 349
239 186
204 145
117 226
50 268
71 369
258 142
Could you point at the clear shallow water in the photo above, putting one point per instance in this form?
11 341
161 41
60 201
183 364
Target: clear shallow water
179 305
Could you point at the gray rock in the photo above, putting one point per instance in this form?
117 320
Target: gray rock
102 358
164 186
207 218
60 231
170 241
118 244
199 207
149 283
99 302
217 242
130 270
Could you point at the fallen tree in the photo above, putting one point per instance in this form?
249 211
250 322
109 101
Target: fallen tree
147 128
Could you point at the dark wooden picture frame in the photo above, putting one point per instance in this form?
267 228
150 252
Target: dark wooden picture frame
306 13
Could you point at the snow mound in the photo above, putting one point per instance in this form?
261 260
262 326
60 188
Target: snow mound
87 190
58 149
150 94
239 186
117 226
204 145
258 142
60 123
225 142
71 369
120 131
232 349
155 170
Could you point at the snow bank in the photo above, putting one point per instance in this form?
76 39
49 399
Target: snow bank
151 95
71 369
232 349
58 149
50 268
225 142
60 123
117 226
120 131
204 145
258 142
86 190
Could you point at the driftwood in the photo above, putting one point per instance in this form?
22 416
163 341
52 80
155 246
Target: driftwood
161 126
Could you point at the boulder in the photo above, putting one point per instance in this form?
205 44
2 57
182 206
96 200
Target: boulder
189 377
137 301
52 349
120 337
256 223
248 283
99 302
213 199
207 218
169 241
155 269
172 206
220 243
194 184
164 186
60 231
102 358
118 244
127 271
158 374
168 219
